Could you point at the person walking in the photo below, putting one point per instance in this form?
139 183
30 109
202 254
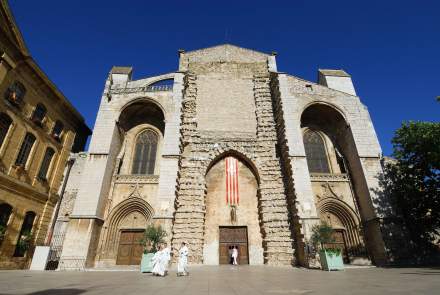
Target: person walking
182 265
158 258
231 260
234 255
166 257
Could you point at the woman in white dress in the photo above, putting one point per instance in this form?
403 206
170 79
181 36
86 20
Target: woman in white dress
182 265
158 269
166 257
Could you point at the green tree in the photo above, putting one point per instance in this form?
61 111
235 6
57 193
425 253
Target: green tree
412 181
153 236
322 234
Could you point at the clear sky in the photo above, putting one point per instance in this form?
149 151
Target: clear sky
391 48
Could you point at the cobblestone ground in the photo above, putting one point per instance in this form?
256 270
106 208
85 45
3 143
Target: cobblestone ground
226 280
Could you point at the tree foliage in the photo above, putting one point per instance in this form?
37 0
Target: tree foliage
412 181
322 234
153 236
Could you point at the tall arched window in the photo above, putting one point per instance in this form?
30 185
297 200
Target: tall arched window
25 237
145 153
315 153
44 168
5 213
5 124
25 149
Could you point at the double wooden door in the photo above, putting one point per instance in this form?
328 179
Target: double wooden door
233 236
130 248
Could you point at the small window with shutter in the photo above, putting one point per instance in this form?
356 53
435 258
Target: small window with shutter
57 130
39 114
15 93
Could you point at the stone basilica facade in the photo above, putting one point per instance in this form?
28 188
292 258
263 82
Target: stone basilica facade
226 151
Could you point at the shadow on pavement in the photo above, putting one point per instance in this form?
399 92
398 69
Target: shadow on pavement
56 292
422 273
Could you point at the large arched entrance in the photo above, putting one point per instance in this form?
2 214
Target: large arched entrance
345 223
232 215
123 231
337 175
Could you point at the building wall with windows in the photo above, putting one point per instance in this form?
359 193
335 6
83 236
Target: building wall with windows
38 130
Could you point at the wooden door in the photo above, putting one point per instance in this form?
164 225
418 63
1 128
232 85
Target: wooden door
233 237
130 248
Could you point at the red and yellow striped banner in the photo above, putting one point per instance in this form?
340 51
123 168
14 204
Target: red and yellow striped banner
232 195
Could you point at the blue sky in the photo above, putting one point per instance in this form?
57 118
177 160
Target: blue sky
391 48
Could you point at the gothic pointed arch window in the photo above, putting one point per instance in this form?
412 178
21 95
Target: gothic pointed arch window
145 153
315 153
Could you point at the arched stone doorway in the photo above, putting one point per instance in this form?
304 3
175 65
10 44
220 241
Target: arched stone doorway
345 223
123 230
232 214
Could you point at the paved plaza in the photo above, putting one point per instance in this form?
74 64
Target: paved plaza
226 280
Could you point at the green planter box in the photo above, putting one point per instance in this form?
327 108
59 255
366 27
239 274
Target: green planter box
331 261
146 264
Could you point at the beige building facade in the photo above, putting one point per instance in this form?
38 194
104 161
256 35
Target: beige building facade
161 153
38 130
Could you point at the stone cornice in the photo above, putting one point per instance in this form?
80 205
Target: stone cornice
143 89
135 178
329 177
25 190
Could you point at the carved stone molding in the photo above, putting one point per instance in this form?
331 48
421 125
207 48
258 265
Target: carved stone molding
142 89
142 179
328 192
329 177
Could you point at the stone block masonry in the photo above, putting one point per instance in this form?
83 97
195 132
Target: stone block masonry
198 153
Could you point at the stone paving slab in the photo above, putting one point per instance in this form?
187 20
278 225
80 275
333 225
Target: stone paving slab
253 280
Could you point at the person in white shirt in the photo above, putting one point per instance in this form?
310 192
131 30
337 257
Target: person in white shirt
234 255
182 265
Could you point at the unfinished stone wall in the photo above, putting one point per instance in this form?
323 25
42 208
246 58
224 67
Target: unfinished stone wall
200 149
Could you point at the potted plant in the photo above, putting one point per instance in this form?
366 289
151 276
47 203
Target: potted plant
153 236
331 258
